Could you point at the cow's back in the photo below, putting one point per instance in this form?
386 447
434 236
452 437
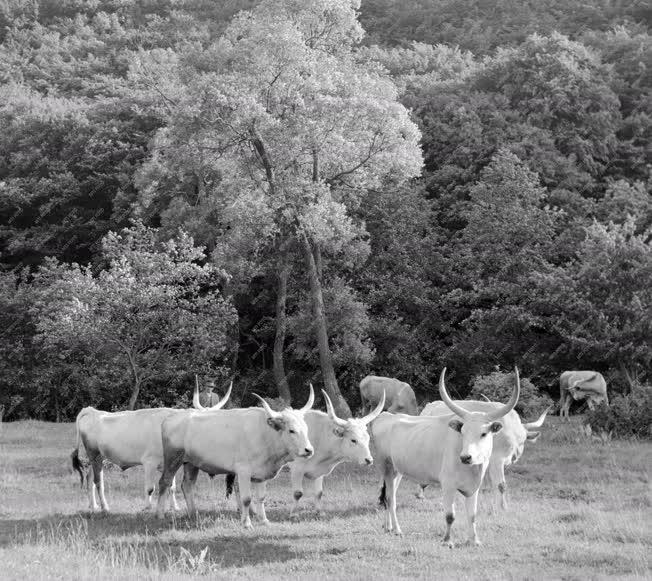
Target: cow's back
223 441
127 438
590 380
372 387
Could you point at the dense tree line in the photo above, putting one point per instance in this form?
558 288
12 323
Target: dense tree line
272 194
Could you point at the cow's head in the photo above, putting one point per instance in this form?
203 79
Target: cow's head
477 428
404 402
352 436
291 427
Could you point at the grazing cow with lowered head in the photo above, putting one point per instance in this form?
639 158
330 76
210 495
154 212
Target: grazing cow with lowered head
129 438
576 385
399 396
335 441
508 443
453 449
252 443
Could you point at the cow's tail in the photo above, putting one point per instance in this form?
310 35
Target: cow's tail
76 462
382 498
230 479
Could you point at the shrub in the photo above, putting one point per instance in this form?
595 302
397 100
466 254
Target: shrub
498 386
628 416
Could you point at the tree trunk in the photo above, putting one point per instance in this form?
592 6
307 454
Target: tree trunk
282 275
135 390
325 358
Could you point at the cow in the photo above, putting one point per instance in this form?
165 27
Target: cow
399 396
128 438
588 385
252 443
335 441
452 449
508 443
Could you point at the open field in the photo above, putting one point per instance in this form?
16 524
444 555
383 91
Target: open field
579 510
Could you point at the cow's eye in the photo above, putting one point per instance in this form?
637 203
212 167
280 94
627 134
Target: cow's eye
483 435
354 441
292 432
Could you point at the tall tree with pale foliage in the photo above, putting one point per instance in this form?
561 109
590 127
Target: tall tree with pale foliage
288 128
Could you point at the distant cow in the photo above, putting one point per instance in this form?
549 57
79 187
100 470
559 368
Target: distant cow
508 443
335 441
399 396
252 443
129 438
453 449
588 385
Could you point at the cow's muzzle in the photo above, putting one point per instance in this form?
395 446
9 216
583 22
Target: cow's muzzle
369 461
307 453
465 458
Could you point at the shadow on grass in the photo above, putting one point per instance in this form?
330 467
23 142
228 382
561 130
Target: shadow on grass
146 541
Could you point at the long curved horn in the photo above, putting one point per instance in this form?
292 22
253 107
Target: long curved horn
460 411
311 400
227 395
485 397
270 412
195 396
331 410
373 414
509 406
538 423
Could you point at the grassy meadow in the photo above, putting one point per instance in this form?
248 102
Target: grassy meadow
580 509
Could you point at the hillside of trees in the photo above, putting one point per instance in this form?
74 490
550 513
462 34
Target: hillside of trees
294 191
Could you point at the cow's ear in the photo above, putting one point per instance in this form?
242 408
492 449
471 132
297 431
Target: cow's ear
339 432
276 423
456 425
495 427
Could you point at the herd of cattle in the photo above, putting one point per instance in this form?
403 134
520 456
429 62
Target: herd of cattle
453 443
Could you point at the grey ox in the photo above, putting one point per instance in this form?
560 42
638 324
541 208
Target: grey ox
453 449
252 443
508 442
576 385
399 396
129 438
335 441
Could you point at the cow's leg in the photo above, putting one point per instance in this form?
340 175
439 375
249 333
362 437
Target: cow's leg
98 480
171 464
564 402
392 487
173 493
419 493
297 479
495 478
318 492
449 508
260 492
190 473
90 483
244 482
151 476
471 505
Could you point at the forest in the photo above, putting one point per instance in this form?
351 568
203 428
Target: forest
293 191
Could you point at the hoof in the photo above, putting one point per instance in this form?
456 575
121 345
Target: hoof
247 526
264 522
398 532
473 543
